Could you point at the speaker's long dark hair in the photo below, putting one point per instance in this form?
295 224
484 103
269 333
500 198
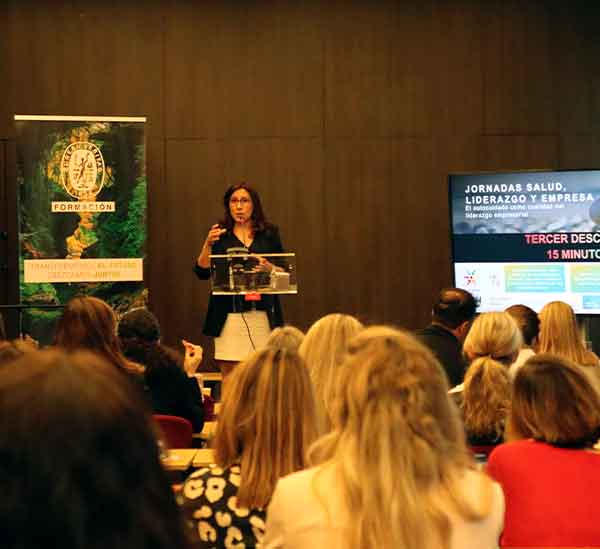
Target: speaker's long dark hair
259 221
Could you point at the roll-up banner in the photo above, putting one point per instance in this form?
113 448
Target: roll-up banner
82 213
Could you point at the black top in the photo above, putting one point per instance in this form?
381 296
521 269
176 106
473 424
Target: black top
447 349
168 389
175 394
219 306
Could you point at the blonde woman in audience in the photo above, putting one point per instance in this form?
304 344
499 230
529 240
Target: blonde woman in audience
486 402
394 472
560 336
323 350
550 471
285 337
494 335
529 323
493 343
266 424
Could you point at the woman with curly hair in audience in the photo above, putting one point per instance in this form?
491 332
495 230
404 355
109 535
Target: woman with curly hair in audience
492 344
560 335
394 471
549 470
79 465
266 424
323 349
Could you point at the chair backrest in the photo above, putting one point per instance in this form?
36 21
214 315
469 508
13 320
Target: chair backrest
177 431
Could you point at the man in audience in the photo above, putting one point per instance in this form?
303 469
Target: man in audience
450 322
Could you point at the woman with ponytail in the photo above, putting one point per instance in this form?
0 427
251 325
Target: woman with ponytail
394 471
492 346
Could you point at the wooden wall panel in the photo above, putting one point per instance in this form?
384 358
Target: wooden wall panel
576 51
9 281
155 271
86 59
457 106
378 67
580 152
377 207
519 86
505 153
5 105
243 69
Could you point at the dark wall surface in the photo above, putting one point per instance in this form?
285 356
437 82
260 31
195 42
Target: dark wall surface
347 115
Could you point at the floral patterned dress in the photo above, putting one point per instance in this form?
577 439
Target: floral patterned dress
209 503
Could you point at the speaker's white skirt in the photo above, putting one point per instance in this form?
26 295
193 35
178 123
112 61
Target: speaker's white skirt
241 335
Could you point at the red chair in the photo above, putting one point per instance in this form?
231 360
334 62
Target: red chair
177 431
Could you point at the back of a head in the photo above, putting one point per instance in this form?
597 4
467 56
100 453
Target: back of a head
559 333
527 320
495 335
140 324
80 467
553 402
486 398
139 335
453 307
285 337
87 323
267 422
397 431
323 349
386 370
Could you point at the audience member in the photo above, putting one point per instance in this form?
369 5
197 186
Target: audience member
559 335
451 319
485 401
79 465
323 349
550 473
285 337
90 323
529 323
492 344
394 471
266 424
171 391
495 336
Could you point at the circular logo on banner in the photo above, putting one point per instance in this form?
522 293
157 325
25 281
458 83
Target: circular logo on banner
82 170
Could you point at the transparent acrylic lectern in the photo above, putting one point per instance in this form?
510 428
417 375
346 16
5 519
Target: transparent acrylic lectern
249 273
